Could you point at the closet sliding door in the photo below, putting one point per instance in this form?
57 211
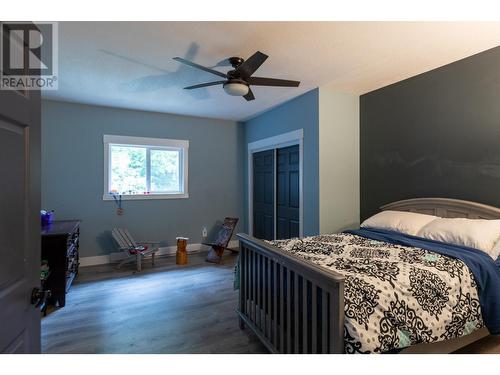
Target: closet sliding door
276 193
263 194
287 192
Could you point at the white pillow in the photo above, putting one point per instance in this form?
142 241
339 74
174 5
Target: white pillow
399 221
495 252
480 234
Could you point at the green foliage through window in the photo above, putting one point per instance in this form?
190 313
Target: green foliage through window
129 170
164 171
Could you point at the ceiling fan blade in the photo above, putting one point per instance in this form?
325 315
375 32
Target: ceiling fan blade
222 63
197 66
262 81
249 96
204 85
250 65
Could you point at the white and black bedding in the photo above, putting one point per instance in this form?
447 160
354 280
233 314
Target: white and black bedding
398 295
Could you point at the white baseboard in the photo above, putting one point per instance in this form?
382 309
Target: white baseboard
94 261
162 251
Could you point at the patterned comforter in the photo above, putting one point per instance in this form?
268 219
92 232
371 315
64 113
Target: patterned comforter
395 296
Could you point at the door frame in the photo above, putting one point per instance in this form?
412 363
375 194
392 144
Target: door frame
292 138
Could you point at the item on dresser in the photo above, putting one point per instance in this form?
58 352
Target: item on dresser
47 217
44 270
60 248
44 276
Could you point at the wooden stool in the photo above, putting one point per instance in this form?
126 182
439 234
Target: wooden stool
181 255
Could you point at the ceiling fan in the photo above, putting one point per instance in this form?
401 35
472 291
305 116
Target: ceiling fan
237 82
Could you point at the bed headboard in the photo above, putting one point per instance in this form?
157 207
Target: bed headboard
445 207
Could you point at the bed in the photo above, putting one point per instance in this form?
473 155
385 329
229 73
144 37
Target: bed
294 304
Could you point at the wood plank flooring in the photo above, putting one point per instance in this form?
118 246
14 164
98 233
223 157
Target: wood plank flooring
488 345
163 309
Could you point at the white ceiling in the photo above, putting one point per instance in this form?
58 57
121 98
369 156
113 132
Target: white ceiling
129 64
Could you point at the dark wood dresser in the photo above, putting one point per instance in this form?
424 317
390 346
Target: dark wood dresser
60 243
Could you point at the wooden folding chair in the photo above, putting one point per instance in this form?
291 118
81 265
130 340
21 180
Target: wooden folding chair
221 240
134 250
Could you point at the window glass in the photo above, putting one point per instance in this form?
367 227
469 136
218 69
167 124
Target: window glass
128 169
165 171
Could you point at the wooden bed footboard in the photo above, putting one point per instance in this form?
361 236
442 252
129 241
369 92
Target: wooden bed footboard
293 306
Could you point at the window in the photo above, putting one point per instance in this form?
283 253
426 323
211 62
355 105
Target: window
145 168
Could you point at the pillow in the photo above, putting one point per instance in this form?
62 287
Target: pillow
495 252
480 234
399 221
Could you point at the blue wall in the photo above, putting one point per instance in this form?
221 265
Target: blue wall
72 173
299 113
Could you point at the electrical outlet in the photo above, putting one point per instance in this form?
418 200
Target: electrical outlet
204 232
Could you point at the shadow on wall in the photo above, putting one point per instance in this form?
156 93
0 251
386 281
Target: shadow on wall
106 241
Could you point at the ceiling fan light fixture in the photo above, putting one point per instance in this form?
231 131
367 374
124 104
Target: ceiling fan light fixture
236 88
238 81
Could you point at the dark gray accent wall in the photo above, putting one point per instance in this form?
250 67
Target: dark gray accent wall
72 173
433 135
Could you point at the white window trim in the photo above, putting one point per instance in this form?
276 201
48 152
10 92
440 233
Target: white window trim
142 141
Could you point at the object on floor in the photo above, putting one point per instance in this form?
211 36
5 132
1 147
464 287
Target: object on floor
221 240
134 250
60 248
181 255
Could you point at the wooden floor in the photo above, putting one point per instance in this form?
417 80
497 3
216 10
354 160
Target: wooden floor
163 309
488 345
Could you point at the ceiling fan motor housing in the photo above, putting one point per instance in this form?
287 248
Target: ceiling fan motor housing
235 61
